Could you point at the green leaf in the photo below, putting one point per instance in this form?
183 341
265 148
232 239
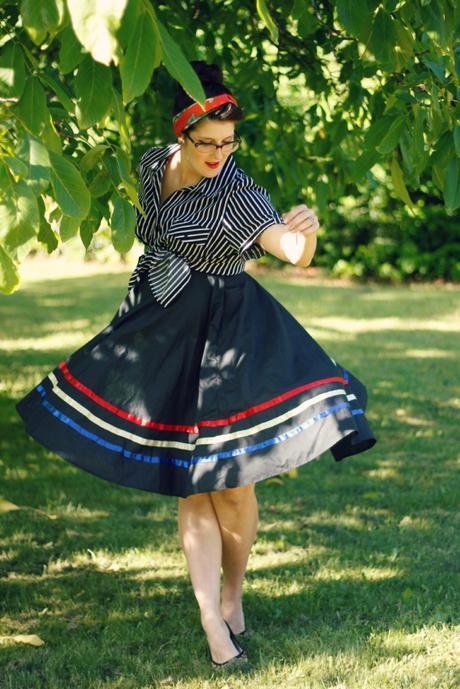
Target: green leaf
55 86
131 191
437 120
100 185
382 40
111 165
404 45
70 191
93 88
22 220
55 214
31 107
32 20
124 164
438 176
307 23
406 146
53 13
128 22
443 151
89 160
70 52
12 70
370 155
122 222
50 137
398 183
41 17
95 25
267 19
391 138
128 184
16 166
376 131
35 156
68 227
9 277
456 134
87 229
47 236
437 69
363 163
142 57
419 154
120 116
6 181
457 61
355 17
451 189
433 21
178 66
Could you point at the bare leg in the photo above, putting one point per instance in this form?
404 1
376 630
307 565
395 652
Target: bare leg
238 515
201 541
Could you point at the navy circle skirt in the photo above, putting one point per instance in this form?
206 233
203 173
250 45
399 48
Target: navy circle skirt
222 388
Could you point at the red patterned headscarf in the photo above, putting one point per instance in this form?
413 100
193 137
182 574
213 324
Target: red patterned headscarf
195 112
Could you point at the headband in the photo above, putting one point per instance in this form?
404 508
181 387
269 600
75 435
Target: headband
194 112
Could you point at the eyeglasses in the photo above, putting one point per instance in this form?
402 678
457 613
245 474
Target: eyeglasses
204 147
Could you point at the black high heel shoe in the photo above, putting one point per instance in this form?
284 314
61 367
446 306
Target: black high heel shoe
239 633
235 660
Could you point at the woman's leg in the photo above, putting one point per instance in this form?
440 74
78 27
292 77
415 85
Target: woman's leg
201 541
238 515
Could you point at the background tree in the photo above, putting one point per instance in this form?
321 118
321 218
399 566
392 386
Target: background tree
338 92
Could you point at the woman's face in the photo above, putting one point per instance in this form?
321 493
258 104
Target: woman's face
207 131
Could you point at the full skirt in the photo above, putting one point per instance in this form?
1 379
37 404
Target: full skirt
222 388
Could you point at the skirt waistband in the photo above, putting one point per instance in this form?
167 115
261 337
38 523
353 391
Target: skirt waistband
226 281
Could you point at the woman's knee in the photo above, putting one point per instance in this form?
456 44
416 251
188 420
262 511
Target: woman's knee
235 495
196 502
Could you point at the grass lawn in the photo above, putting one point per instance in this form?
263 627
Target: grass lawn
353 579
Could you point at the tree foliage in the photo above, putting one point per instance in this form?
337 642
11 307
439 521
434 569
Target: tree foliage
85 86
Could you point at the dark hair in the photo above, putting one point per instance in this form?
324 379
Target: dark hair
211 78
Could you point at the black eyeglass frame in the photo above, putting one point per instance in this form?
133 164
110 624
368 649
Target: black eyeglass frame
237 139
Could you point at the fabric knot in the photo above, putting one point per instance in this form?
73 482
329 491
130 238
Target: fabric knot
167 274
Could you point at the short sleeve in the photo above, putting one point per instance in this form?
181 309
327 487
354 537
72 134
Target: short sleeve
249 212
144 224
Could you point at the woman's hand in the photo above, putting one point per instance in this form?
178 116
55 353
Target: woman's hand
301 219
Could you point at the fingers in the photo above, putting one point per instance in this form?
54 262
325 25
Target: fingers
301 219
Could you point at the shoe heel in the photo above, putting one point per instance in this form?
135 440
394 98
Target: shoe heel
241 657
236 643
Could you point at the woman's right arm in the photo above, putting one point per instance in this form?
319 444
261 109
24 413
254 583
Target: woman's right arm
293 247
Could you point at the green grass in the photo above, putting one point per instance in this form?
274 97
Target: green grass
353 579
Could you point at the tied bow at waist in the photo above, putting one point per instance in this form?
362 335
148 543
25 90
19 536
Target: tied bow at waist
167 274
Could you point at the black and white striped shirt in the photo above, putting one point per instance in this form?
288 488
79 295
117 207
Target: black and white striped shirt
210 226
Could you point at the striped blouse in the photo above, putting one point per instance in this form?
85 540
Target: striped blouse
210 226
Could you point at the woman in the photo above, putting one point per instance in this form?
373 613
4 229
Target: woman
203 384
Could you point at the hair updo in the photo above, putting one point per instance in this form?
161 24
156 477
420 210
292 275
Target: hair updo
211 79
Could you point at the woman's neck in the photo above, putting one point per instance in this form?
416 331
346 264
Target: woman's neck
183 172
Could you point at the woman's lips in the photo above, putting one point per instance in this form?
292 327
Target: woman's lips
213 165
